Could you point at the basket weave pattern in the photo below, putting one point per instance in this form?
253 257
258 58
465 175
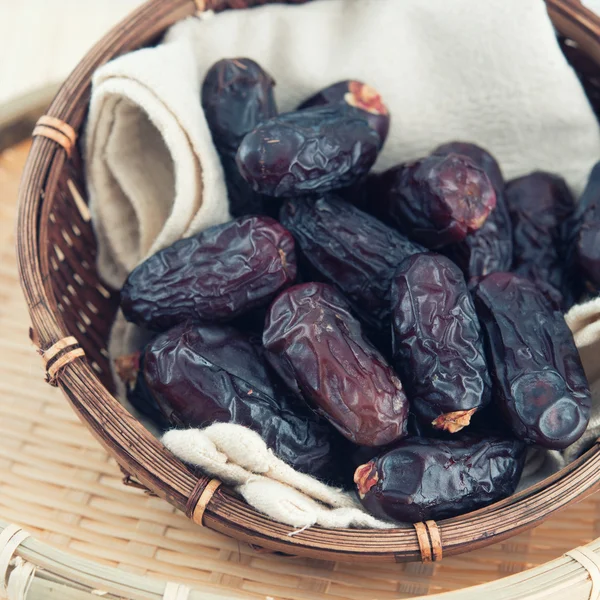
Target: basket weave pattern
56 254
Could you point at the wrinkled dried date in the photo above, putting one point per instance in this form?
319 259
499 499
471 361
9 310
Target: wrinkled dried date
585 232
365 99
316 339
437 200
237 94
350 249
215 275
539 205
437 341
201 374
479 156
490 248
313 150
538 380
421 479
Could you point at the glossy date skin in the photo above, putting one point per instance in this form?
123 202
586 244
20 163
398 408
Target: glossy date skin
437 342
201 374
585 233
539 205
237 95
316 340
421 479
356 94
437 200
313 150
490 248
350 249
538 381
214 276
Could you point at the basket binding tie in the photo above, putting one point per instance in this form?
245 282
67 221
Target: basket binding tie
199 499
591 563
430 541
10 540
59 355
56 130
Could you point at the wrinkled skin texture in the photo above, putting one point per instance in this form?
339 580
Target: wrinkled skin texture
317 340
421 479
490 248
201 374
437 200
216 275
352 250
313 150
437 342
538 381
358 95
539 205
236 96
585 233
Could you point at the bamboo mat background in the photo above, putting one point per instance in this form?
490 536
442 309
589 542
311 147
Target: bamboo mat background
56 481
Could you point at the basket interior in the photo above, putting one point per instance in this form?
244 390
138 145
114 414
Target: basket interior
87 306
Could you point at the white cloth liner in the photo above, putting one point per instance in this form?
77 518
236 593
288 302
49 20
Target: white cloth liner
488 72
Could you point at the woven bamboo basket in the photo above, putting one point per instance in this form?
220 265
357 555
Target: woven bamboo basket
71 312
91 536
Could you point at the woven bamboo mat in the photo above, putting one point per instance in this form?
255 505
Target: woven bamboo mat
57 482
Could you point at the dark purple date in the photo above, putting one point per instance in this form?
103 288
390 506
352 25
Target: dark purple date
538 380
217 275
351 250
437 341
437 200
489 248
358 95
539 205
314 338
421 479
585 233
237 94
312 150
202 374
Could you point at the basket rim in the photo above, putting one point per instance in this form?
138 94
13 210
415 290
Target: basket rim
79 575
142 455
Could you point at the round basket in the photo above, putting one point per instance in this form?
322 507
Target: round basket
71 312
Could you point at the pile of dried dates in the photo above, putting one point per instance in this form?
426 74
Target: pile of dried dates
399 332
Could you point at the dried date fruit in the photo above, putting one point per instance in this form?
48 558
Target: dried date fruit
538 381
350 249
313 150
243 200
237 94
585 233
539 205
216 275
312 333
201 374
437 200
490 248
479 156
365 99
437 342
421 479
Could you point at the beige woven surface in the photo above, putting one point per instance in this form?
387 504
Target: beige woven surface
62 487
